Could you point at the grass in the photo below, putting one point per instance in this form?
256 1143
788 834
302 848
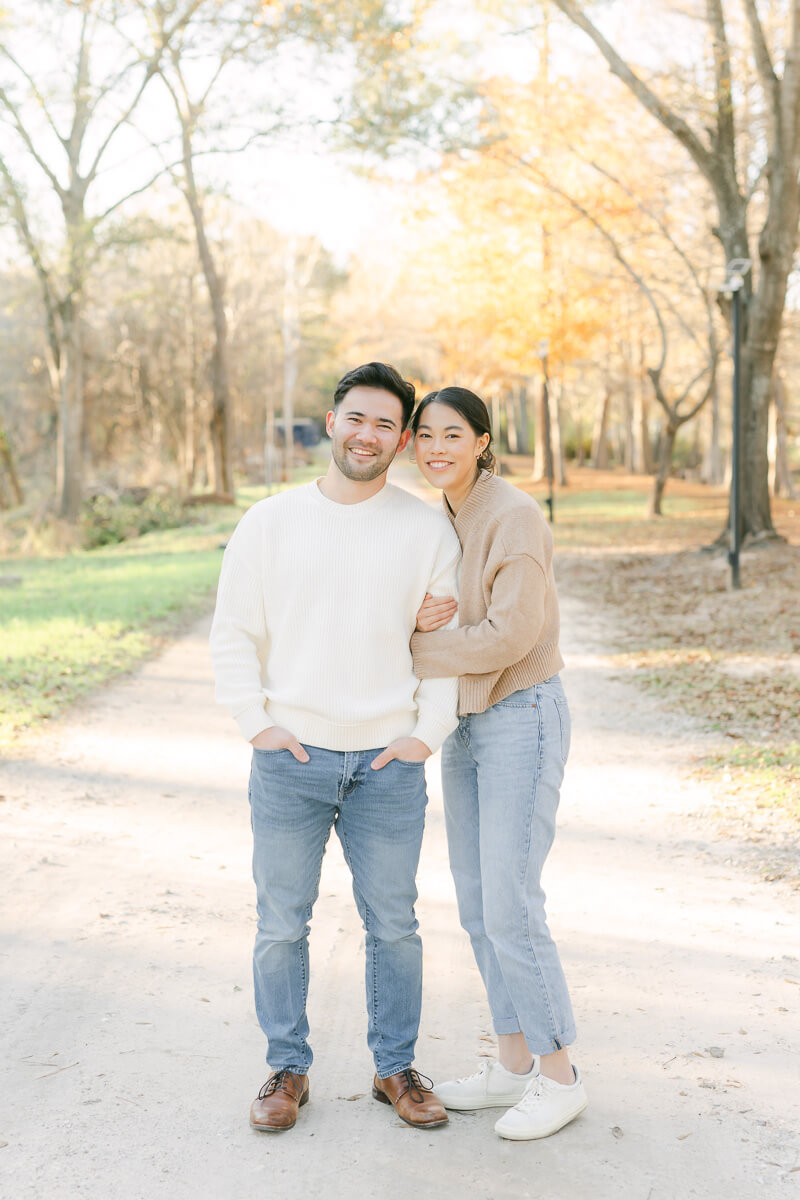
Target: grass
77 620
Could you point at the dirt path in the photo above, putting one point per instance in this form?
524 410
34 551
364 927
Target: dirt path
130 1046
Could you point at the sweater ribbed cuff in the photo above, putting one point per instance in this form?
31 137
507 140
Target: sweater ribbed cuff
433 730
253 720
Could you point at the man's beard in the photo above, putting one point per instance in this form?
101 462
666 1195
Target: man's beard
361 471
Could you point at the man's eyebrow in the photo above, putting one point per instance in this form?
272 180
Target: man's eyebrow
353 412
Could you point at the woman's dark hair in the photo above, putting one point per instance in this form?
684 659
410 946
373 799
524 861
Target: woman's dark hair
471 408
380 376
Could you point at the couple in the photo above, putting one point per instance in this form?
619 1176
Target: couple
330 650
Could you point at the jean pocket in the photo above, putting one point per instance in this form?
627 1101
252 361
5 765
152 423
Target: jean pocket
409 762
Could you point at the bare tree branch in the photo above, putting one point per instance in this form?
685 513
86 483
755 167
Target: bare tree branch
760 48
725 134
152 67
11 109
32 246
35 91
671 120
544 181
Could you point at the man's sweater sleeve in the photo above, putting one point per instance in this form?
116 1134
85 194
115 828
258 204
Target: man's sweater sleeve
437 699
239 641
509 630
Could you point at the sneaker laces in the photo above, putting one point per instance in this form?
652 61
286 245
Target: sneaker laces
482 1070
533 1093
281 1081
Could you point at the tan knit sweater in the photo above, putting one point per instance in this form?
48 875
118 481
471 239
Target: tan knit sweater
508 608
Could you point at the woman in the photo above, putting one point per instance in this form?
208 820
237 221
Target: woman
503 766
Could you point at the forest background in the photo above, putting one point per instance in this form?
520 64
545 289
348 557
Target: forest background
212 208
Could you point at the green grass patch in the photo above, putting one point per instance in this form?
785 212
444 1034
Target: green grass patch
77 620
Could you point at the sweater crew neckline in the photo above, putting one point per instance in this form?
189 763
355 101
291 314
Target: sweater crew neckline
371 503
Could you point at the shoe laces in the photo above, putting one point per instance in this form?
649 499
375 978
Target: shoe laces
415 1085
281 1081
482 1070
533 1093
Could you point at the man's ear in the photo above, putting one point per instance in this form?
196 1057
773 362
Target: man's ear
405 437
329 419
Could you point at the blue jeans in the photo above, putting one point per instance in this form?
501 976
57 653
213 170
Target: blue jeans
379 818
501 773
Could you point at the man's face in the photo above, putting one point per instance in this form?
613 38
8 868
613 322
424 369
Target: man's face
367 432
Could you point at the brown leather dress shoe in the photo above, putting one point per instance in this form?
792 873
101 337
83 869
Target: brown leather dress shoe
275 1108
414 1102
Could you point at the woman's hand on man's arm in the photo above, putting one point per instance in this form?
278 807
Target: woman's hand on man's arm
435 611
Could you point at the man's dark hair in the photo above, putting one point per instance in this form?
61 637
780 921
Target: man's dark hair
378 375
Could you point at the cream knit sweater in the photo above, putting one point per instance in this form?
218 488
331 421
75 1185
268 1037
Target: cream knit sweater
316 605
508 608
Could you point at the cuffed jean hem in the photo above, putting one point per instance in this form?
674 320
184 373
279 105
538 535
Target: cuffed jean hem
394 1071
511 1025
551 1047
288 1067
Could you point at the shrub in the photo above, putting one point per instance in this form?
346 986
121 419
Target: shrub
109 519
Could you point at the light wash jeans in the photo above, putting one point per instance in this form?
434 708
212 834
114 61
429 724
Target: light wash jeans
379 817
501 773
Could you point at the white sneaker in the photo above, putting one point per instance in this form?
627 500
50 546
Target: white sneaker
492 1086
545 1108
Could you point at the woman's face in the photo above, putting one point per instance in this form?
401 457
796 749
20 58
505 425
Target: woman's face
447 448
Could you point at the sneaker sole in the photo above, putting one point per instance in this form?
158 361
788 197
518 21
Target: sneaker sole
520 1136
501 1102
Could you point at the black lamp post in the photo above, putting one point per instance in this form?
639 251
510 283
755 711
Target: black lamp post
544 346
737 269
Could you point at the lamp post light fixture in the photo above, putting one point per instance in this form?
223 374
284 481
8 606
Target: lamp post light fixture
544 346
736 271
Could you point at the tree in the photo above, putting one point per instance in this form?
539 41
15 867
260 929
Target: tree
61 135
719 155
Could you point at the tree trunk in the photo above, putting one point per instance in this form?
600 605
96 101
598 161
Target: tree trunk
9 471
781 480
667 445
762 319
190 395
600 436
713 471
220 420
628 450
539 438
290 336
643 446
512 430
494 402
69 464
524 429
558 429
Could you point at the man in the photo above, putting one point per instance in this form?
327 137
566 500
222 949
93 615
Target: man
317 602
